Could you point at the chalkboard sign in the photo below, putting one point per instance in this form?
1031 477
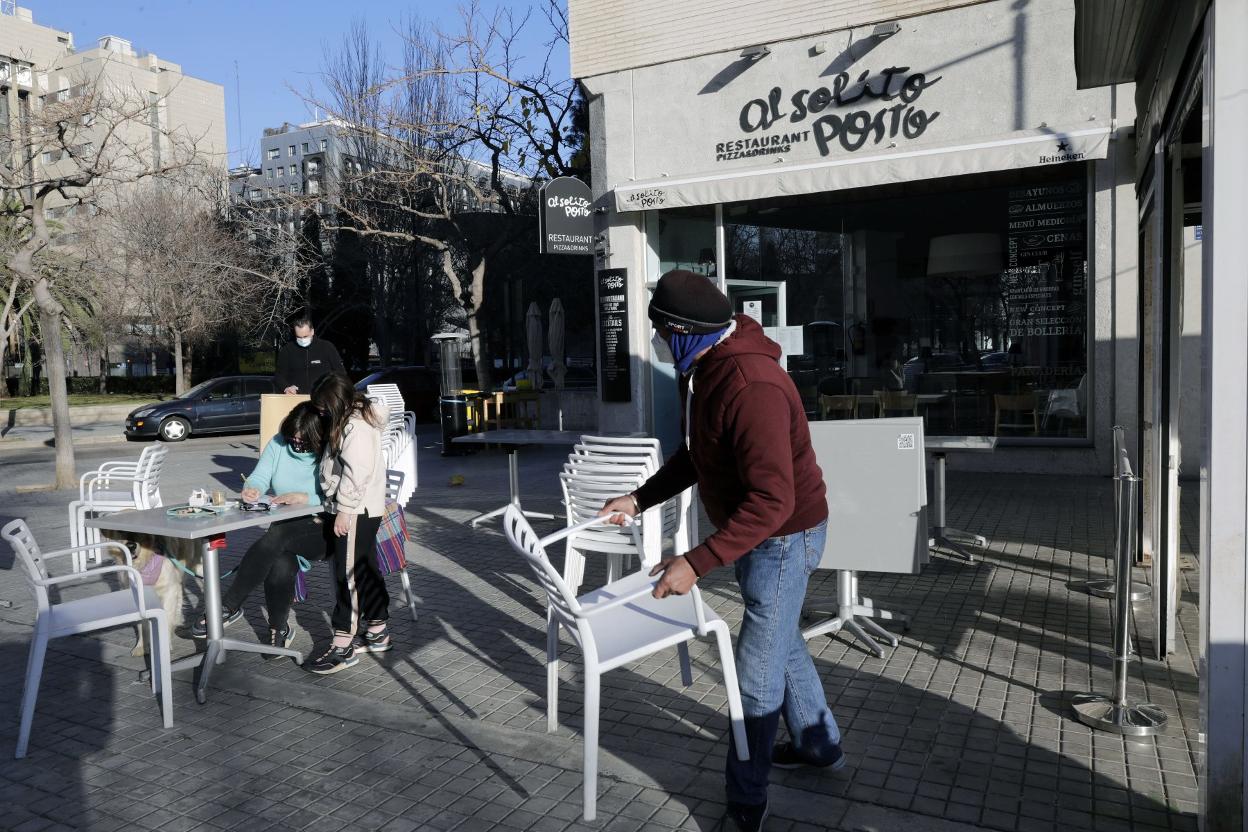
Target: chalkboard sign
615 377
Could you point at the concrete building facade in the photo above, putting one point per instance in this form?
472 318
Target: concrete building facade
930 197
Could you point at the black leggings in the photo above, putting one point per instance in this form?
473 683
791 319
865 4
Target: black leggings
272 560
361 590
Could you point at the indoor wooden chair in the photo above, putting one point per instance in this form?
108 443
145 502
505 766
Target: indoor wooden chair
888 403
1016 412
838 407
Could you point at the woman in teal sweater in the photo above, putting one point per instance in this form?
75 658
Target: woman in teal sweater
287 469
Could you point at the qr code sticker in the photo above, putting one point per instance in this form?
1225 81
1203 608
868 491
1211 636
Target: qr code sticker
905 442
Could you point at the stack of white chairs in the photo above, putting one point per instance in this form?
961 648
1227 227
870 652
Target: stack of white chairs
602 467
118 485
398 439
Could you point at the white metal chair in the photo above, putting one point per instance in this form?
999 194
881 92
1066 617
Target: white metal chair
114 486
614 625
394 488
135 604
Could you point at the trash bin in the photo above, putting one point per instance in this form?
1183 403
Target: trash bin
452 404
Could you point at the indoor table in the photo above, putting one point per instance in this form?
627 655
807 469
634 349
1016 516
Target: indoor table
157 521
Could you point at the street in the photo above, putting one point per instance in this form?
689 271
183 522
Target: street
29 466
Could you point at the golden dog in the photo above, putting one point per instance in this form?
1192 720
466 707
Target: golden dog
167 581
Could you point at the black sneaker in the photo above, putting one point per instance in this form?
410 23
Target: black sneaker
281 638
228 616
367 642
744 818
787 757
335 659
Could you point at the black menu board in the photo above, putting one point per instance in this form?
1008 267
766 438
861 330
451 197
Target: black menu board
615 377
1045 282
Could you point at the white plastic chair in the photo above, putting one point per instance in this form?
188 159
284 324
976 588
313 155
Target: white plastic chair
583 498
600 468
394 488
389 394
135 604
615 625
114 486
680 514
398 437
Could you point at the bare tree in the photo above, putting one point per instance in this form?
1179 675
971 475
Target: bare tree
71 152
188 268
466 138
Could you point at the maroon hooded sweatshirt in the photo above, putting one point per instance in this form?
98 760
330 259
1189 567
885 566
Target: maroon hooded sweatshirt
748 450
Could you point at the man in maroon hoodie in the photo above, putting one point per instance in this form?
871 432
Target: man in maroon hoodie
747 448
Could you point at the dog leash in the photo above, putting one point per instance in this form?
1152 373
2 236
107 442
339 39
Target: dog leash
304 566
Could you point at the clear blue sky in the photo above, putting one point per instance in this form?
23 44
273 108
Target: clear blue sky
278 44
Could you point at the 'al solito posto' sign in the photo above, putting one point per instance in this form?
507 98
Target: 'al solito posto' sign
565 223
846 116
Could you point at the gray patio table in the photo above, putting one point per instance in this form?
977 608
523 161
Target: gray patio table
513 439
939 447
157 521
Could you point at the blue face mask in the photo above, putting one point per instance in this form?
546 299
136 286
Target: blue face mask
686 347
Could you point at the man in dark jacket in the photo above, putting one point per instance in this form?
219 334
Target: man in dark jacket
747 448
304 360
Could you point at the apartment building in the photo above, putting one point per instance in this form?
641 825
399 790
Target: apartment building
41 64
311 160
295 160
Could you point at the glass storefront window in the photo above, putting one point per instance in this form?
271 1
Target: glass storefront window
682 238
964 301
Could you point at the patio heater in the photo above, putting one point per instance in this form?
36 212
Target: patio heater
452 403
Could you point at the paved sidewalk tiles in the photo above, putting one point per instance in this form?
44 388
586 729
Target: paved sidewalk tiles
965 724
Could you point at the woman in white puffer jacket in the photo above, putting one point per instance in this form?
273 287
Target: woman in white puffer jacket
353 480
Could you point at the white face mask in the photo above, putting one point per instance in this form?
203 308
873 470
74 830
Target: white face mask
304 342
661 350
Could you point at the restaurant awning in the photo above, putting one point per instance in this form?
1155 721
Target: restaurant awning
1043 146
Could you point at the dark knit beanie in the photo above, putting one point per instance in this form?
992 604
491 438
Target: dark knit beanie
689 304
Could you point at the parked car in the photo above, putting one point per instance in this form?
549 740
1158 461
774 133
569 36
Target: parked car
937 362
220 405
418 386
994 361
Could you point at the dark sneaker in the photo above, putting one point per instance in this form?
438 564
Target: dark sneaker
281 638
367 642
788 757
334 659
228 616
745 818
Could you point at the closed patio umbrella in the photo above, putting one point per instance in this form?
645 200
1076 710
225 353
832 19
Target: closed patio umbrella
533 332
558 370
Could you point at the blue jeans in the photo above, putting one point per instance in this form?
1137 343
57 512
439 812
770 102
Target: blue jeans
775 670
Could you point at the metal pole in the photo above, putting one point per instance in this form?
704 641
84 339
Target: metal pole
1107 587
1122 594
1114 713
